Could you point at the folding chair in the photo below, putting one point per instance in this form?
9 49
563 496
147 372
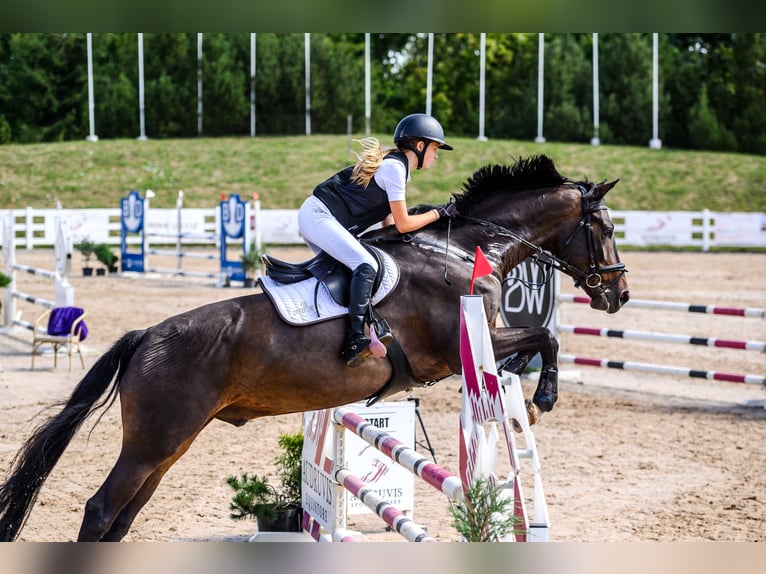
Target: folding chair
65 326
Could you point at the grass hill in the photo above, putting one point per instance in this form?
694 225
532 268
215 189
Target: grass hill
284 170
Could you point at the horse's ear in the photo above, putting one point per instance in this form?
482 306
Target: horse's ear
600 190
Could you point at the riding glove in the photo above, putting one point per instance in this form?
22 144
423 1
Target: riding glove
448 210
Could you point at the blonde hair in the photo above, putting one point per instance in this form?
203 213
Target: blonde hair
369 160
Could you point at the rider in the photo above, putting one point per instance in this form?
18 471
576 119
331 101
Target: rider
372 191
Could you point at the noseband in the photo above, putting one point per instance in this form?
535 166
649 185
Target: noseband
592 278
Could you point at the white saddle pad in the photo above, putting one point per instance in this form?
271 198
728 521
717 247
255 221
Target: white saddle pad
301 304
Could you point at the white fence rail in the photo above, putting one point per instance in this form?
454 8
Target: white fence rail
703 229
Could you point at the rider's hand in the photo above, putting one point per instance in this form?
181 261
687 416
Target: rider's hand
448 210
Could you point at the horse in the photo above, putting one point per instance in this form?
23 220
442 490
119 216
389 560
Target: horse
238 360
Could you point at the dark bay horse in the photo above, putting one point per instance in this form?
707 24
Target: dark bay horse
236 360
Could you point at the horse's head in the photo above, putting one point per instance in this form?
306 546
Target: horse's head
537 210
590 250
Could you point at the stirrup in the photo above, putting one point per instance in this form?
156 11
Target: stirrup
357 352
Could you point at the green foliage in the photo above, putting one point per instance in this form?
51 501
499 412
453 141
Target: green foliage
251 259
289 466
5 280
86 247
705 129
105 255
44 92
485 515
255 496
5 131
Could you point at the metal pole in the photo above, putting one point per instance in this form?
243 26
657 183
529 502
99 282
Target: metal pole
141 120
91 105
655 142
367 72
540 58
595 140
179 242
252 85
199 84
482 71
429 75
308 83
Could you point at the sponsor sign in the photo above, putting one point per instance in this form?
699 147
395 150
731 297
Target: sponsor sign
523 306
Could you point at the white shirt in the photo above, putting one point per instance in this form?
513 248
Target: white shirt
391 176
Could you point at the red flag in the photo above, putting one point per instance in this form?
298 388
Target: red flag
481 267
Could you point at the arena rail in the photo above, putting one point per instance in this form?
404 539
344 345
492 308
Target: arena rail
63 292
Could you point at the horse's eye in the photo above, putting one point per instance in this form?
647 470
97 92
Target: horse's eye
608 232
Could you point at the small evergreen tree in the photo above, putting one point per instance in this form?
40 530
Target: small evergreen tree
485 515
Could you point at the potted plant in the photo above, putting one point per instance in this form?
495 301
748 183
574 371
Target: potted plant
256 497
86 247
107 257
5 280
251 263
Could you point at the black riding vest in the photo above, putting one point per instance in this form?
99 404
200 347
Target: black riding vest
354 206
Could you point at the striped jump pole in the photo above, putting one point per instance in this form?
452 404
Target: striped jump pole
675 306
746 312
388 512
666 337
492 406
342 475
431 473
663 369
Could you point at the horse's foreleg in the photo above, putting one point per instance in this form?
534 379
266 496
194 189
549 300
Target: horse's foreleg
527 342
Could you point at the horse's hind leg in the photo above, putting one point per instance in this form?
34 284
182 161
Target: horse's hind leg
110 512
150 447
125 518
120 487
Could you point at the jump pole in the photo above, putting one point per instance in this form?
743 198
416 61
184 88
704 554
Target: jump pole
234 221
488 401
63 292
747 312
675 306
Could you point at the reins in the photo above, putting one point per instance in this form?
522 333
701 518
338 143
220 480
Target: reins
592 278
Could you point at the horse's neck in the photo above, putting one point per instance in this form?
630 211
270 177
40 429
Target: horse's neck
538 217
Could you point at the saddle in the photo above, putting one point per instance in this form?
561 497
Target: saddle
329 272
284 282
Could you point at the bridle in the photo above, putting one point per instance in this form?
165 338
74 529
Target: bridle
593 278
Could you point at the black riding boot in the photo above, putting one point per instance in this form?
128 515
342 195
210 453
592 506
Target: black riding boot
357 348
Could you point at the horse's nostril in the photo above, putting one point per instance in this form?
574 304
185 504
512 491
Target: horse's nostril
624 297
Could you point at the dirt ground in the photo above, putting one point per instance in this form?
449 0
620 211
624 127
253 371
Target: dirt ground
625 456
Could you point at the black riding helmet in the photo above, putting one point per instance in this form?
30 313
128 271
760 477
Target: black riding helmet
419 127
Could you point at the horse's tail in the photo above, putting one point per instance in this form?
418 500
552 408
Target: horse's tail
36 459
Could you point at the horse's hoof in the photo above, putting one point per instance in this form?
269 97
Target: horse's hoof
516 425
533 412
544 403
547 390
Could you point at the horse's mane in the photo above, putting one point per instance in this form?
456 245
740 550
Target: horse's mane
525 173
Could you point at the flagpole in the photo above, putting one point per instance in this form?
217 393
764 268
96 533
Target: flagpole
91 105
